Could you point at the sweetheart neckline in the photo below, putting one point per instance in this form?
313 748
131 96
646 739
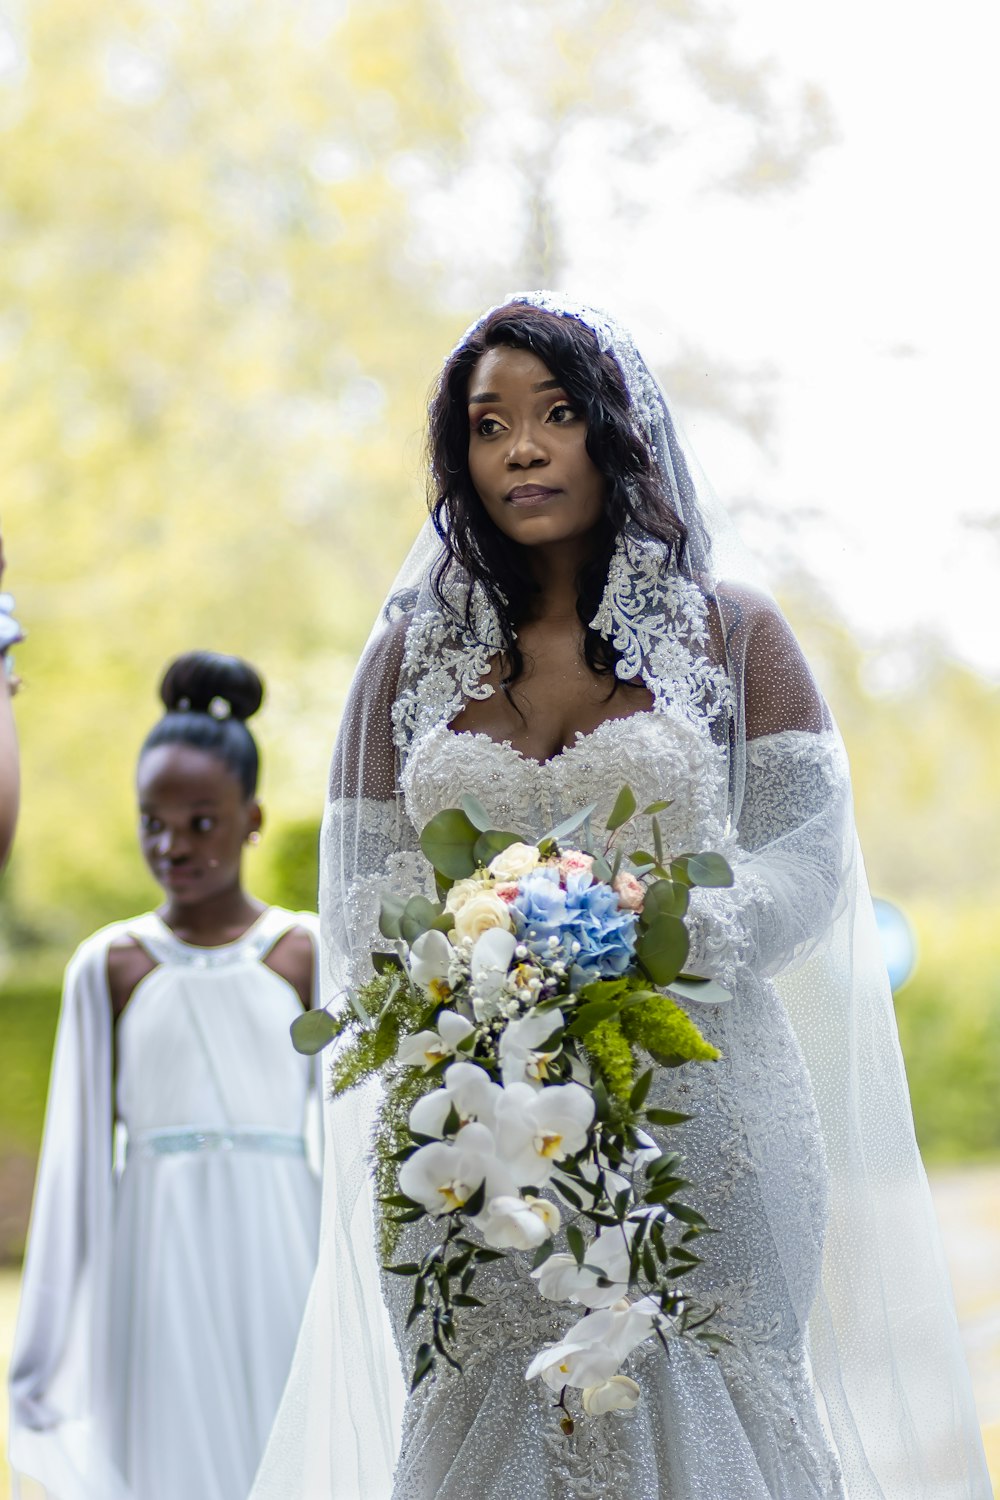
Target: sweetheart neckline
581 738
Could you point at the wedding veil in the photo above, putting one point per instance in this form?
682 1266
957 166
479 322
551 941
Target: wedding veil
888 1369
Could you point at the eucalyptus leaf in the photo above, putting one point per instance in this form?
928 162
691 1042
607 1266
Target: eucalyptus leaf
667 898
704 869
710 870
625 806
574 1239
601 870
704 991
662 949
386 963
419 915
490 844
312 1031
657 839
656 807
476 813
568 825
447 842
390 911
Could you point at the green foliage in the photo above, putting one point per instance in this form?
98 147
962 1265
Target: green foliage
393 1007
949 1028
29 1010
665 1031
611 1056
403 1087
294 865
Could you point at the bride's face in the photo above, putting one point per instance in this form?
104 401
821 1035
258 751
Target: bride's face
528 456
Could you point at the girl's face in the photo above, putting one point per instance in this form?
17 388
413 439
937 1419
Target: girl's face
193 822
528 456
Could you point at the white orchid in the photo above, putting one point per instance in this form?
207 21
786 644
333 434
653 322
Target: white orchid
519 1223
560 1279
443 1177
535 1130
617 1394
522 1057
467 1089
430 961
591 1351
426 1048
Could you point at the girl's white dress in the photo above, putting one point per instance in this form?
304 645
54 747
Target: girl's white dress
162 1296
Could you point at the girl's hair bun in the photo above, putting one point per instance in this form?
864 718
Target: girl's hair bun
207 682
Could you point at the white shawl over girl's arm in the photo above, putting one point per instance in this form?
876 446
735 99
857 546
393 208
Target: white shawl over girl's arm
57 1366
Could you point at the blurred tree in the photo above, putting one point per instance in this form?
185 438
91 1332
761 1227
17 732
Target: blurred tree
230 235
213 345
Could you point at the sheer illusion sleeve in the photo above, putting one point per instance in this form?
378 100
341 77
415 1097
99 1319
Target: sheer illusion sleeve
369 846
792 801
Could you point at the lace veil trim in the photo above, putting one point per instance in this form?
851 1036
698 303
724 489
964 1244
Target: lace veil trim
653 615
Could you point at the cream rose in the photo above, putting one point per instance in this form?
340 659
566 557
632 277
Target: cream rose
513 862
479 914
461 893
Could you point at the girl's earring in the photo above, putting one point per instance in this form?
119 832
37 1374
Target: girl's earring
254 838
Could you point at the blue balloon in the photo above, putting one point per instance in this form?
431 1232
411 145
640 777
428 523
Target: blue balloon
899 946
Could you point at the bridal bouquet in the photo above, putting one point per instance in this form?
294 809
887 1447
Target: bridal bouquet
507 1019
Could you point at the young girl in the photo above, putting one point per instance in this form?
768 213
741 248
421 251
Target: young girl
161 1302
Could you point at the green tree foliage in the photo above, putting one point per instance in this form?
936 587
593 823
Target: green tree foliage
214 344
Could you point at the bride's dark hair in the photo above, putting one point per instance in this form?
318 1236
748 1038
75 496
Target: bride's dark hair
477 548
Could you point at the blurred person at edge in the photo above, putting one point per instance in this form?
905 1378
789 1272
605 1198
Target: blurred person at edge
162 1297
10 780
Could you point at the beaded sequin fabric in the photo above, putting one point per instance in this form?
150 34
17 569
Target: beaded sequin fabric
826 1269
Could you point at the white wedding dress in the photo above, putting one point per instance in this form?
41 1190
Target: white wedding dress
843 1377
745 1423
161 1303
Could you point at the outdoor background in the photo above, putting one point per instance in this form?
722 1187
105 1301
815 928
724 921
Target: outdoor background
236 241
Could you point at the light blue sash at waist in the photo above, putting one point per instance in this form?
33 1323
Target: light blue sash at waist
171 1141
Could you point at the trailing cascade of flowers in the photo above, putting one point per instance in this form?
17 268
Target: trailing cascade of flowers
508 1019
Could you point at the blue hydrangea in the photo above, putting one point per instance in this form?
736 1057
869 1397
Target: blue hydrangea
586 912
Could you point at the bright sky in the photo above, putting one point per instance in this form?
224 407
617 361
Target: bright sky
870 294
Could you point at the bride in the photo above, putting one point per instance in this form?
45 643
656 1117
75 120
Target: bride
577 616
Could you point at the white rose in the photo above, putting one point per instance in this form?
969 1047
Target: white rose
479 914
514 861
462 892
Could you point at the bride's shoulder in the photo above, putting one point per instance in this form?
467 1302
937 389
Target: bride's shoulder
748 609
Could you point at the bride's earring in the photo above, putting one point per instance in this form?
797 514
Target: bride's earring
253 838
